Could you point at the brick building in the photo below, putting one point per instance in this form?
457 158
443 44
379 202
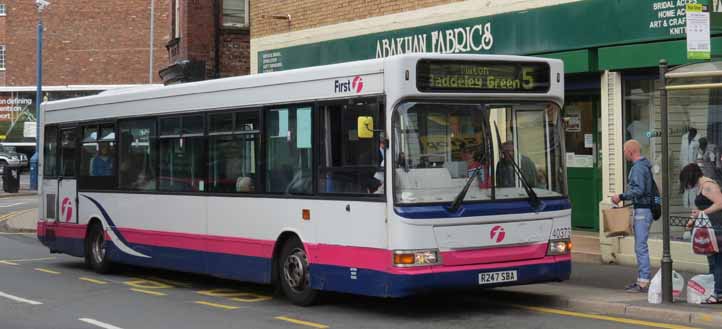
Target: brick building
209 39
88 46
610 49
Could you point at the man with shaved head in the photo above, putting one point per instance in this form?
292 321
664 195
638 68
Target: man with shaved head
640 193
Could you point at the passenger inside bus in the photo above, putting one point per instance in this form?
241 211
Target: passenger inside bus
102 164
505 172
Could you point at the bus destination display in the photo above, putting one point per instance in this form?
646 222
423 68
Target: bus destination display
479 77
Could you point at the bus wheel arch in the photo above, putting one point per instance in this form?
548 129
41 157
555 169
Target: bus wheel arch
96 255
289 274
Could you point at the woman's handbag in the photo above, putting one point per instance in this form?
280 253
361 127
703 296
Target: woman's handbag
617 221
704 239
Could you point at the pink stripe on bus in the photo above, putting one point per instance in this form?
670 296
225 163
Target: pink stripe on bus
494 255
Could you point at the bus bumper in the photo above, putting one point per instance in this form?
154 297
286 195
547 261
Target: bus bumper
412 281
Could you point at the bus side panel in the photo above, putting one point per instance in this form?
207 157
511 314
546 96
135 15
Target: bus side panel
152 230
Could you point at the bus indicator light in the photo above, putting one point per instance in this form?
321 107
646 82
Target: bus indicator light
306 214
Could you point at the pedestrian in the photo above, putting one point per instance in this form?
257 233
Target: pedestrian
640 193
709 202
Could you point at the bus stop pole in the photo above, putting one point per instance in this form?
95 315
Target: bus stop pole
666 256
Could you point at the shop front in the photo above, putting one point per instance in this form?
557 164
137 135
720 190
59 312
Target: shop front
610 50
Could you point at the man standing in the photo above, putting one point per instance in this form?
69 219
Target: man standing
640 193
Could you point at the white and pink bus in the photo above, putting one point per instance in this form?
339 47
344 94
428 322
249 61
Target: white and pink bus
386 177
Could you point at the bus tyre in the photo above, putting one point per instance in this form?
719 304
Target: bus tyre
294 274
96 256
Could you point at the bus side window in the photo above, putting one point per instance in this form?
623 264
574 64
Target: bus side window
50 157
289 150
233 147
138 156
349 164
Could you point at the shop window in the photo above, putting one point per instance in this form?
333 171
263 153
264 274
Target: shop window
97 157
233 152
349 164
50 156
182 152
235 13
137 157
289 150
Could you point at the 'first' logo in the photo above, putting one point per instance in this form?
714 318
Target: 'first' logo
497 233
351 85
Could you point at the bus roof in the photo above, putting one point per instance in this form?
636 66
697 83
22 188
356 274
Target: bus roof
241 91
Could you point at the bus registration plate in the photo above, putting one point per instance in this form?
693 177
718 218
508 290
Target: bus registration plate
497 277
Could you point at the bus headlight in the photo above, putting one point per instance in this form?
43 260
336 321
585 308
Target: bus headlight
405 258
559 247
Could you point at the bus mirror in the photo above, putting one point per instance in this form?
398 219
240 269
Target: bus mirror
365 127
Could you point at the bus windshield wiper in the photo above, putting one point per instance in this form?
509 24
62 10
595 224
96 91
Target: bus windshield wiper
460 197
534 201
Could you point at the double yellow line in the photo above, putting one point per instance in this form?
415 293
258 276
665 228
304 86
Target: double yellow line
14 213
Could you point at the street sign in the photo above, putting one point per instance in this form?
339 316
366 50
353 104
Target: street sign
698 39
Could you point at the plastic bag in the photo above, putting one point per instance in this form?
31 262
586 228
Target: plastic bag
699 288
654 294
704 239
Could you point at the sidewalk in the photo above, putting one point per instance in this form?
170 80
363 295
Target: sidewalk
599 289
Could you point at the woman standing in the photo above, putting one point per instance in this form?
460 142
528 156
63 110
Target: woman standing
709 201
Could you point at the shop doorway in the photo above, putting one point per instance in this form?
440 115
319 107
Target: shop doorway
582 137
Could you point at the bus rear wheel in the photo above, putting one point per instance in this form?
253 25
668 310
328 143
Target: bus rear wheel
96 255
295 277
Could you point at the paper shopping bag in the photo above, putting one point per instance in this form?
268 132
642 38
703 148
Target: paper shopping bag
617 221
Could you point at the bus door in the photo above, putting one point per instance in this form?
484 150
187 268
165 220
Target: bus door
49 167
67 176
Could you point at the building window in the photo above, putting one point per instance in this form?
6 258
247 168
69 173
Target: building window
235 13
2 57
175 19
2 9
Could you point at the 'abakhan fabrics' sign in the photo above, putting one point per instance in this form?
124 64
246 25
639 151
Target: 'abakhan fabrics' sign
474 38
566 27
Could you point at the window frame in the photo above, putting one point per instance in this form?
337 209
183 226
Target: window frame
320 132
56 167
246 17
88 182
154 148
3 57
260 182
202 135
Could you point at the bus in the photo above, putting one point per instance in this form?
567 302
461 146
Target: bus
386 177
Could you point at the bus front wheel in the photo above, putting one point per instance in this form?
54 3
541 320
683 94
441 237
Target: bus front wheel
294 274
96 255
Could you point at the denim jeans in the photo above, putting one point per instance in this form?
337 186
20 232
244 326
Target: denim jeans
642 223
715 267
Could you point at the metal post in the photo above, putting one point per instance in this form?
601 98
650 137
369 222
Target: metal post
38 91
666 256
152 40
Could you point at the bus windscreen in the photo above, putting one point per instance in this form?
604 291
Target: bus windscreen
480 77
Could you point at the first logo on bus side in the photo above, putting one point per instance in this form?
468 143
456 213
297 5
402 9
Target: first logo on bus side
351 85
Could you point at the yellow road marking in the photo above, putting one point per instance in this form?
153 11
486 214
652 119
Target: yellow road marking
170 282
46 270
301 322
149 292
235 295
92 280
7 262
17 233
147 284
13 214
30 259
226 307
8 215
604 318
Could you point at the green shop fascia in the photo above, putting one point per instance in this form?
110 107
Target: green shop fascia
590 36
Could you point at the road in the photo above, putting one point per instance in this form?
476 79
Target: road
12 205
39 290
